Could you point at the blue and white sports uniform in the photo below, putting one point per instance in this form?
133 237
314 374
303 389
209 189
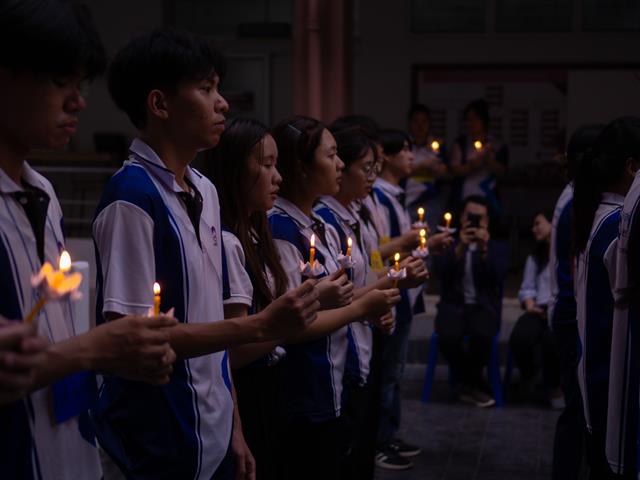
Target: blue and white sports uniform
33 444
396 221
562 306
312 371
622 419
347 224
595 275
143 234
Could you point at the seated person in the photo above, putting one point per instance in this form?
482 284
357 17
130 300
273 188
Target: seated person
531 341
471 273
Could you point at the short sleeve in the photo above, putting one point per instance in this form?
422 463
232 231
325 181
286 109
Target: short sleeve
240 287
529 287
123 233
290 260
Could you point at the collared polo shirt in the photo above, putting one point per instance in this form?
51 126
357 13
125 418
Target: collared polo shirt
562 305
33 445
347 224
312 371
143 233
595 276
624 372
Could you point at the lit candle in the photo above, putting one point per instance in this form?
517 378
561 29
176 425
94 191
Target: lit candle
420 214
423 238
312 251
65 262
349 244
156 299
477 144
447 219
54 284
396 257
435 146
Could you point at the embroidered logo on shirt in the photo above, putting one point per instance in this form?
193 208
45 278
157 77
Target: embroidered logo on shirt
214 236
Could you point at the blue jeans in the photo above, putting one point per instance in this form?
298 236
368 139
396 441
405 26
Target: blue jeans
394 358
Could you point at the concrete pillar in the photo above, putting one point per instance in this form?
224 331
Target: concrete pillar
322 58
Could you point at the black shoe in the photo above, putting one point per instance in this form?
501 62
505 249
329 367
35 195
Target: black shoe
389 460
404 449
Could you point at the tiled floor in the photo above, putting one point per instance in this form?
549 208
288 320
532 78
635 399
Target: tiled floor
464 442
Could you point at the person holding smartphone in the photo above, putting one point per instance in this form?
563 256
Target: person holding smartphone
471 274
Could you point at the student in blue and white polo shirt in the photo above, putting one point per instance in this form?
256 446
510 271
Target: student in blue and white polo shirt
604 177
622 418
48 49
568 445
313 371
397 156
159 220
356 152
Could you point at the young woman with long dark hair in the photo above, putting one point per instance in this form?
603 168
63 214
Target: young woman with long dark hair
531 337
245 173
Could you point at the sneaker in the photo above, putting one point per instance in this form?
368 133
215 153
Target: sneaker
391 461
476 397
403 449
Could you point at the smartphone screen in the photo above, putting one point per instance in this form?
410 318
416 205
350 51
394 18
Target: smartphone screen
474 220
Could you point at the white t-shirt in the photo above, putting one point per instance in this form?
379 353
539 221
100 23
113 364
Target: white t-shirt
35 444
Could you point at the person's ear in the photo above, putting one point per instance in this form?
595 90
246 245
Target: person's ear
157 104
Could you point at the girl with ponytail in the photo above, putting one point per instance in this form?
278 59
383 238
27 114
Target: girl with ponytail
602 180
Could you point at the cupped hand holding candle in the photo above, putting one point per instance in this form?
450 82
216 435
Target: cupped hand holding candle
55 284
396 273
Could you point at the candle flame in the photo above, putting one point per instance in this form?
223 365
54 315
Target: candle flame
65 262
313 240
423 232
349 242
447 217
477 144
156 288
396 257
435 145
421 211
